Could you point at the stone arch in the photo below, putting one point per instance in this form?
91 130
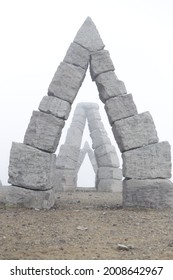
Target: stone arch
105 159
146 161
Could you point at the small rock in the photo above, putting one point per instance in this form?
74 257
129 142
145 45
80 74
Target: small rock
124 247
82 228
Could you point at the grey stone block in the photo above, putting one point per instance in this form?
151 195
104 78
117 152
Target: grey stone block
149 162
21 197
67 157
104 149
95 124
77 55
135 131
109 86
31 168
99 137
44 131
109 185
66 82
0 183
64 178
89 105
109 173
100 63
74 136
120 107
55 106
150 193
93 115
109 160
88 36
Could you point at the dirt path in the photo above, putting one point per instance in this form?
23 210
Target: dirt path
86 225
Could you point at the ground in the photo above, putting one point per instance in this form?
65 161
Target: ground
86 225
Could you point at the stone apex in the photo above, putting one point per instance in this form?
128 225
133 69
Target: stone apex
88 105
86 146
89 37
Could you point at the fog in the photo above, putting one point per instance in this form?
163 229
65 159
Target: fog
35 36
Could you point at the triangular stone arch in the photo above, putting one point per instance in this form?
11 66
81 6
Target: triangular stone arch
104 160
87 150
146 161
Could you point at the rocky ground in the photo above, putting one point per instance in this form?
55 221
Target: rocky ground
86 225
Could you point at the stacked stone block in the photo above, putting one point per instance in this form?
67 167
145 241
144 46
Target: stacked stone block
146 161
70 156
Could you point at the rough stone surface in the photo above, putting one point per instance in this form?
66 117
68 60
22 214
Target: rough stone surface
95 124
109 86
99 137
105 149
64 178
66 82
74 137
109 185
156 193
149 162
67 157
89 106
44 131
88 36
93 115
55 106
0 183
120 107
109 173
100 63
21 197
135 131
31 168
77 56
109 159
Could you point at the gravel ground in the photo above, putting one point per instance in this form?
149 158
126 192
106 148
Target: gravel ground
86 225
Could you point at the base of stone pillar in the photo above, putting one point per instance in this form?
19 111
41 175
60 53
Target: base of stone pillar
17 196
149 193
109 185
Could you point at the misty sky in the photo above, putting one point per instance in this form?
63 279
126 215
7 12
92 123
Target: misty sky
35 36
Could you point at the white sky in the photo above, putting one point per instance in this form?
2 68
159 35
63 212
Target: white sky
35 35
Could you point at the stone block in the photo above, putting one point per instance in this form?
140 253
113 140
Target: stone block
77 55
55 106
63 178
67 157
104 149
108 160
93 115
99 138
135 131
149 193
95 124
89 105
21 197
109 173
109 86
44 131
88 36
100 63
66 82
109 185
74 137
149 162
31 168
120 107
0 183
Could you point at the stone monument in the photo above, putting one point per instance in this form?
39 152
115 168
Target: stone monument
146 161
104 160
